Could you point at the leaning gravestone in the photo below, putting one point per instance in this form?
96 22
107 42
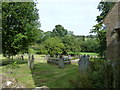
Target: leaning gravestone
61 62
83 64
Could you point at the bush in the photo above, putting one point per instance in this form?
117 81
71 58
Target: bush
102 75
6 61
13 65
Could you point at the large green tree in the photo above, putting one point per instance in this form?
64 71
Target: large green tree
19 26
59 31
53 46
89 45
71 43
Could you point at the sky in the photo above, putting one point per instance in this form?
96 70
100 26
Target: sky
74 15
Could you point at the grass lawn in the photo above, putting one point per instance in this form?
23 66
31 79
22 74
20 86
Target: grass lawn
43 74
89 53
82 53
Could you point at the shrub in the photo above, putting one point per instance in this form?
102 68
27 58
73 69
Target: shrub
103 74
6 61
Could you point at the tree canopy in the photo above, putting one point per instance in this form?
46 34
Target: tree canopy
19 26
59 31
53 46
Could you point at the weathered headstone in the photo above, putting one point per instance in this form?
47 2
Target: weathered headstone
48 57
58 56
30 61
83 64
61 61
29 58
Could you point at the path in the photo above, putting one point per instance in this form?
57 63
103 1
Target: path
76 60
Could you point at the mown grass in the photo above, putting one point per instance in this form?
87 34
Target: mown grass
88 53
82 53
43 74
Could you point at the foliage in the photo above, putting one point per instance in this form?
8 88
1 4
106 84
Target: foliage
40 36
104 7
89 46
59 31
44 36
53 46
20 27
31 51
13 65
71 43
42 49
103 74
4 62
99 28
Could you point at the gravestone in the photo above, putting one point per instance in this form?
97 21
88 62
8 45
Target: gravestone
61 62
58 56
48 57
30 61
69 56
83 64
29 58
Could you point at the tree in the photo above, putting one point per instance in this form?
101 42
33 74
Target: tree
19 26
41 36
71 43
53 46
47 35
89 45
59 31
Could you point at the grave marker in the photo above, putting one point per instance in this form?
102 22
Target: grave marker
83 64
61 61
30 61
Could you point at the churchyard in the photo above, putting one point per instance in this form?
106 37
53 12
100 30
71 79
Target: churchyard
43 74
32 58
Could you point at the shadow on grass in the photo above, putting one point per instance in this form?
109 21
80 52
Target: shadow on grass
4 62
52 76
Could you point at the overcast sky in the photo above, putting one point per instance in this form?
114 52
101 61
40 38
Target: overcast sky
74 15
